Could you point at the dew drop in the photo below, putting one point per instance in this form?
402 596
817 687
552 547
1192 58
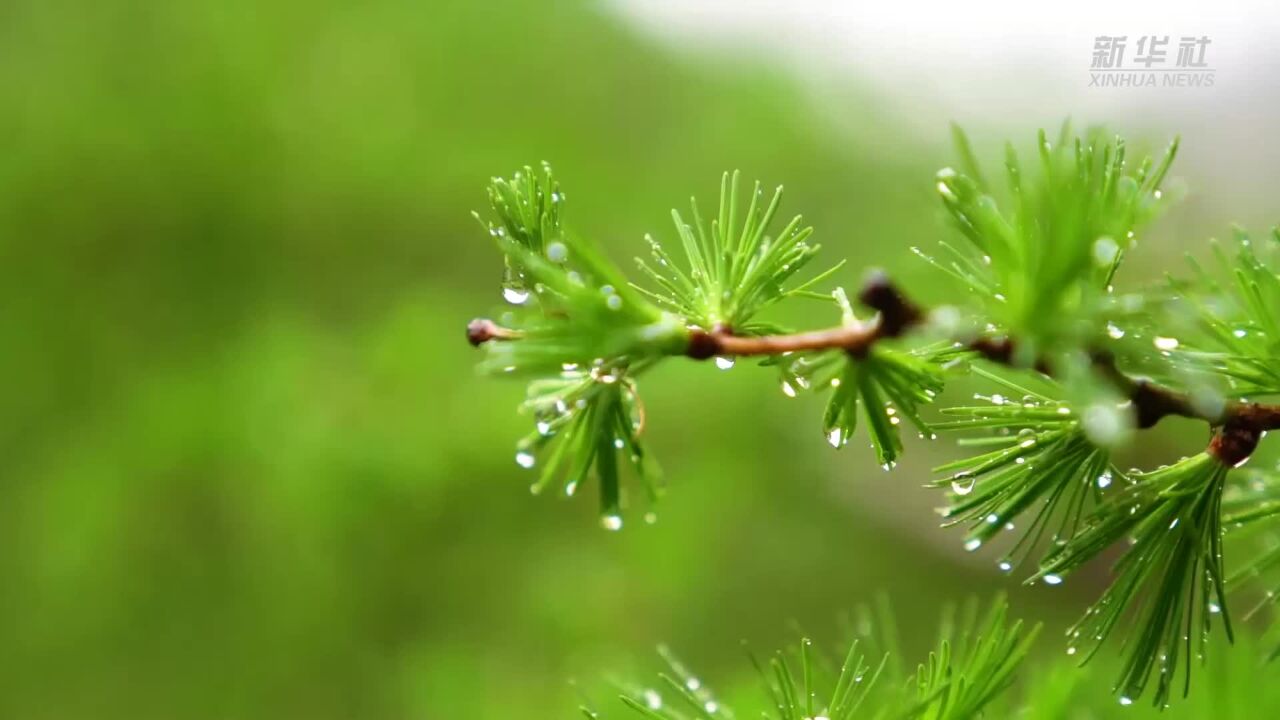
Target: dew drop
724 363
515 295
693 683
1105 424
652 700
1105 251
1114 332
1125 700
835 437
1053 579
1165 343
1104 480
1005 566
557 252
611 522
788 389
963 484
972 544
525 459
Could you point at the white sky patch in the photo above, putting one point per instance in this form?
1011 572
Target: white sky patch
1009 64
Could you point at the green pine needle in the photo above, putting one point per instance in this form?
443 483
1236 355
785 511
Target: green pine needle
883 387
733 268
1050 247
1232 319
1170 582
973 663
587 420
528 209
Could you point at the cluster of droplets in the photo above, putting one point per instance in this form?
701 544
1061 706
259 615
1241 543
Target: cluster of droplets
558 411
612 299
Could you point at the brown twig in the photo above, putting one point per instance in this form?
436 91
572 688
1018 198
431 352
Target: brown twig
896 316
1238 427
852 338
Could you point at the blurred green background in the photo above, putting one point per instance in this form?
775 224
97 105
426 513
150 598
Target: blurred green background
247 468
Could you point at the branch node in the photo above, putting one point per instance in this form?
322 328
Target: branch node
897 313
702 345
1234 442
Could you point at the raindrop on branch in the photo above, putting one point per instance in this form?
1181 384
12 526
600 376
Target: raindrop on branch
515 295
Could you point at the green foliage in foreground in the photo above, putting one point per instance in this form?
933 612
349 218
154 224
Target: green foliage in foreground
973 662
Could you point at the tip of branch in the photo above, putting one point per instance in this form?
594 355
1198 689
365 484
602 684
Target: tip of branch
482 330
702 345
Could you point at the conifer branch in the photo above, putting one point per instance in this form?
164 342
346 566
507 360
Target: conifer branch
1239 424
1037 264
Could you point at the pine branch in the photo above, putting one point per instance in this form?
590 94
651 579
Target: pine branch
1038 262
1240 423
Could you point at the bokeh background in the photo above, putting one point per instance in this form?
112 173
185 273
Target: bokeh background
247 469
